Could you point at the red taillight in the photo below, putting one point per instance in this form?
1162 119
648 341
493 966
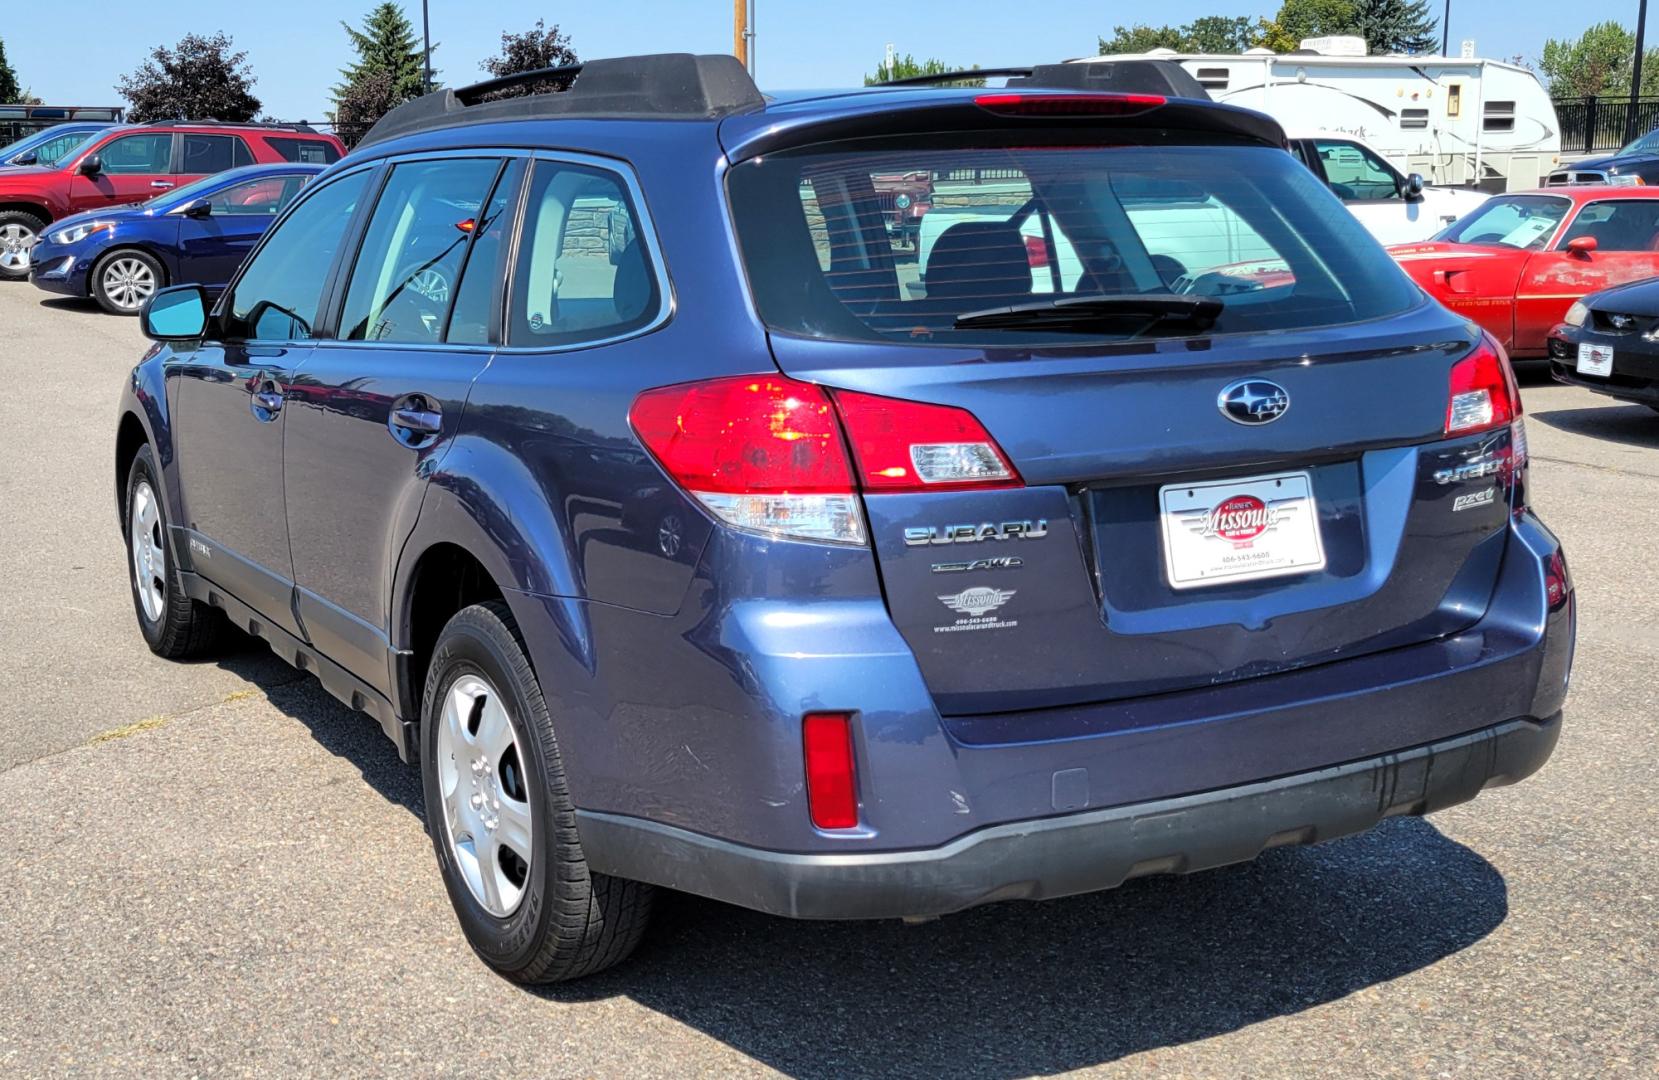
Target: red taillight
1483 392
1048 104
914 446
1036 252
767 453
831 791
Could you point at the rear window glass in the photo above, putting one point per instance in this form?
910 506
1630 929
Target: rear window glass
888 242
304 151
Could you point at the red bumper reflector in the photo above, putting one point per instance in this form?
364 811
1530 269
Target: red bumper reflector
831 793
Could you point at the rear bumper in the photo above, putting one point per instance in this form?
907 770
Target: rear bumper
1076 853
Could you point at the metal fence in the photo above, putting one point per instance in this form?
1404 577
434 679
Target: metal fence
1589 124
16 121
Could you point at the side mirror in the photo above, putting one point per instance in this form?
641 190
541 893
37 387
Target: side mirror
1414 186
199 208
175 314
92 165
1581 246
27 157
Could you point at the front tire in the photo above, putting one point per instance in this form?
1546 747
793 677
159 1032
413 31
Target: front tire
123 281
501 818
174 625
19 232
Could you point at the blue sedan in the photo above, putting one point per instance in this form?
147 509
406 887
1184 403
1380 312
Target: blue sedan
198 234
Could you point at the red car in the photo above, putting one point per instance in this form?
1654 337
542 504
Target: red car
1519 261
134 163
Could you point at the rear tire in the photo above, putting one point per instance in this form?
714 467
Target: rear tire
19 232
501 818
123 281
174 626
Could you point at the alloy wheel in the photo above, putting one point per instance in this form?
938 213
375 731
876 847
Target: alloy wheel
149 553
128 282
486 795
16 241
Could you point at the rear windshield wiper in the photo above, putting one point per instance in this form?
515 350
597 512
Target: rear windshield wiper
1197 311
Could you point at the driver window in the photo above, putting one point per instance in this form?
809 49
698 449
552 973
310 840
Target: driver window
401 286
277 297
1624 225
1355 172
137 154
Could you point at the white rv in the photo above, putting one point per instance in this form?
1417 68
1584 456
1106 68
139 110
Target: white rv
1467 122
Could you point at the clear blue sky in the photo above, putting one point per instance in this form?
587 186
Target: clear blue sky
72 53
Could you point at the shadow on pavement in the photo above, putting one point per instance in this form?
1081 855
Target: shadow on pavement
1021 988
1633 425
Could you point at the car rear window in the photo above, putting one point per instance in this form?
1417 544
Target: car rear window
840 243
304 151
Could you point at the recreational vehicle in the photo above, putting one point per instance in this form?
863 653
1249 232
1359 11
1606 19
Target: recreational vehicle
1457 121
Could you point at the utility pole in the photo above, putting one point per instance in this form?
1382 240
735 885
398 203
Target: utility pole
740 31
425 30
1630 131
1446 30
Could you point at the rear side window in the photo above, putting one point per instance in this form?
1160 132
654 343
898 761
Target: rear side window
304 151
277 296
583 272
1028 226
412 251
264 197
212 153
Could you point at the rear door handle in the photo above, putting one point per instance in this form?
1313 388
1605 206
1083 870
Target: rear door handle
418 421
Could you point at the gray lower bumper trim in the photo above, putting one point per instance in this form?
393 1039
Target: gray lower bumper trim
1076 853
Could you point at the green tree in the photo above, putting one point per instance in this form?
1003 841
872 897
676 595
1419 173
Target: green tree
1396 26
1221 34
536 48
1142 38
386 46
908 67
1298 19
200 78
1598 61
10 91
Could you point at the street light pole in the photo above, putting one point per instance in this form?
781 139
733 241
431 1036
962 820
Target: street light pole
425 30
1446 30
1630 132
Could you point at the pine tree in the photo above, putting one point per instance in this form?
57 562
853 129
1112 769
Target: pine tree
10 91
1396 26
387 45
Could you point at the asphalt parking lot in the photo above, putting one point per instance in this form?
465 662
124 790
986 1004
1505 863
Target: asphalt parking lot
217 870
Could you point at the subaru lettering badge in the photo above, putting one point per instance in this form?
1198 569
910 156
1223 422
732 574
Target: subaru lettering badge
1253 401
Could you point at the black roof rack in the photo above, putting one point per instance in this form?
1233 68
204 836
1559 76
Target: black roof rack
1112 76
665 86
269 125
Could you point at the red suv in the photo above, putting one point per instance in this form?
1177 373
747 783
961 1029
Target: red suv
131 164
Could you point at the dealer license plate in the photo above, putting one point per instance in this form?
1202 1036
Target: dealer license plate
1240 530
1595 360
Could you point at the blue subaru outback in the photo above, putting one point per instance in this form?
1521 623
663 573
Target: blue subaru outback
695 529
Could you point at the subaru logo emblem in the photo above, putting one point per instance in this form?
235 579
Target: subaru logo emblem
1253 401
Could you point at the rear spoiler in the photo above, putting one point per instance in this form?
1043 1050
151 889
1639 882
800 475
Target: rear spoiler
1038 116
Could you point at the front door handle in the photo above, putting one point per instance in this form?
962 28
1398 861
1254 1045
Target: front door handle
161 183
265 398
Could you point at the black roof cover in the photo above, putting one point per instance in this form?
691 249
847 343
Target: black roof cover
665 86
